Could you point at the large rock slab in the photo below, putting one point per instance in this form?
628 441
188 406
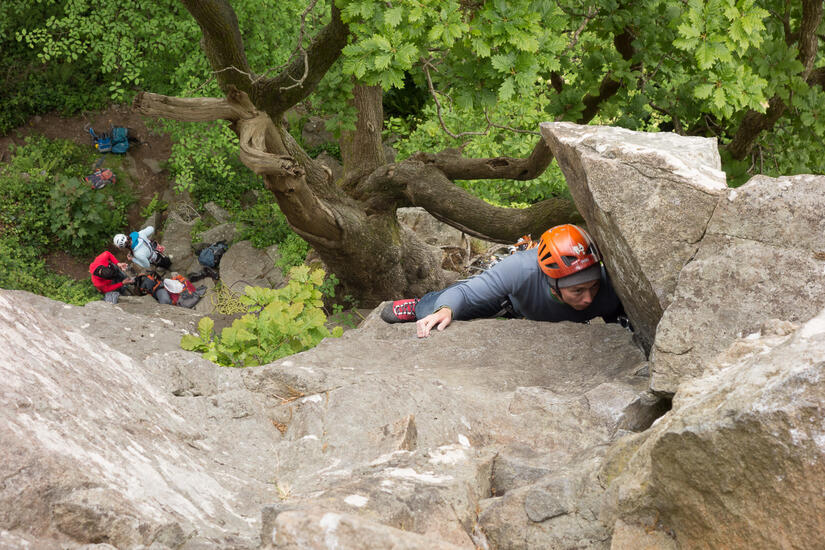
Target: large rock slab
647 199
110 438
762 257
94 449
434 424
177 238
739 462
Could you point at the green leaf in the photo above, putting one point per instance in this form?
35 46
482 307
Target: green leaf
705 56
703 91
393 16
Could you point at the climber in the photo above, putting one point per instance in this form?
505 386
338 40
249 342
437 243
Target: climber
143 252
561 279
109 276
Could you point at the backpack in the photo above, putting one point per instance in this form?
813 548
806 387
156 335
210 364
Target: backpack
114 141
189 296
148 283
211 255
100 178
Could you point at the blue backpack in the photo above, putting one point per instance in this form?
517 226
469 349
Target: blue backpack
114 141
211 255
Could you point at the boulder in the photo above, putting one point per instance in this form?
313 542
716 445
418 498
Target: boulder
739 462
220 214
177 238
431 230
647 199
224 232
314 133
762 256
244 265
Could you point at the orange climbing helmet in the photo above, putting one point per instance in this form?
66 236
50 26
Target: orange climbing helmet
565 250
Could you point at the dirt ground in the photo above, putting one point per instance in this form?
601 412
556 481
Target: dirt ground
153 147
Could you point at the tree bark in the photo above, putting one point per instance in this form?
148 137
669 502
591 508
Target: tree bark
352 224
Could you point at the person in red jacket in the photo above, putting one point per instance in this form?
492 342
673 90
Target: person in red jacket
108 276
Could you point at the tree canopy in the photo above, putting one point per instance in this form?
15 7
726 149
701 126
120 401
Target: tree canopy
465 84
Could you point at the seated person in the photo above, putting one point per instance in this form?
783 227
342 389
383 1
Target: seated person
109 276
561 279
143 251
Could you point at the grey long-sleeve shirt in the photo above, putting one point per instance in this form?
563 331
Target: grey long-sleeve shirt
520 279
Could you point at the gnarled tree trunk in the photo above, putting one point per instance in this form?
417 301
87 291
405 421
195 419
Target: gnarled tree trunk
351 223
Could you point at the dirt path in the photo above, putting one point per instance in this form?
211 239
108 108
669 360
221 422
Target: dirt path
148 155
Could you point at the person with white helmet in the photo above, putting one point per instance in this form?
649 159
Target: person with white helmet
561 279
142 251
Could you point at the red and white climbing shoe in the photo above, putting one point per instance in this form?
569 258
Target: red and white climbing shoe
400 311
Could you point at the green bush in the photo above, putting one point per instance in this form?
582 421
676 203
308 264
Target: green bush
26 184
82 217
21 268
280 322
38 215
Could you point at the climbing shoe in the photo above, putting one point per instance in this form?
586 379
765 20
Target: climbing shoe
400 311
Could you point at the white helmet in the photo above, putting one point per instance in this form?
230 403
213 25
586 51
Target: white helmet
120 240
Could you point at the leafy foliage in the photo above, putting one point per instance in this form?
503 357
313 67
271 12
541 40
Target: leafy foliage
38 215
696 67
82 217
22 268
155 205
280 322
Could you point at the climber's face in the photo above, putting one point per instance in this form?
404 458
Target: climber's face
579 297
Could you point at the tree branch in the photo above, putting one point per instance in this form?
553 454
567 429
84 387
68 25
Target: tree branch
222 41
609 86
277 94
413 183
754 122
455 167
426 186
258 136
224 48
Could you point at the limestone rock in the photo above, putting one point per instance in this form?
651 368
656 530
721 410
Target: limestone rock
93 450
177 238
109 436
738 461
244 265
647 199
323 530
763 256
315 133
217 212
224 232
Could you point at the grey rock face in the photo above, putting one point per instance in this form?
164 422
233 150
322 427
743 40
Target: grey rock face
177 238
315 133
647 199
94 450
738 461
138 443
224 232
762 257
244 265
